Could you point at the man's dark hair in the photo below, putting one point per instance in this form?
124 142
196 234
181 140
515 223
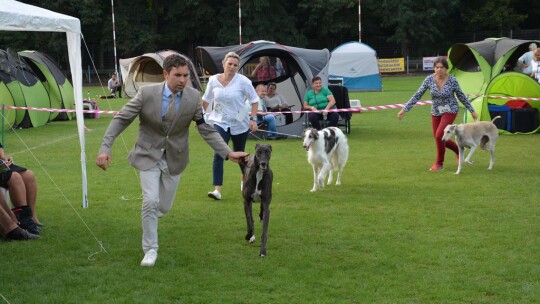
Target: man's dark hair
173 61
315 79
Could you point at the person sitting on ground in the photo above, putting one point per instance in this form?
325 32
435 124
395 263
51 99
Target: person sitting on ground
8 224
114 86
29 183
275 102
264 70
320 99
525 59
269 119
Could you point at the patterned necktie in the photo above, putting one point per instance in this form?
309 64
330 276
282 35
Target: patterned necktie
170 112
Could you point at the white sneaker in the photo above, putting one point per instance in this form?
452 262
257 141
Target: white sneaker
215 195
149 258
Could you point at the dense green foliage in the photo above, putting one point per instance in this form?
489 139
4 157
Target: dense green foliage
411 27
393 232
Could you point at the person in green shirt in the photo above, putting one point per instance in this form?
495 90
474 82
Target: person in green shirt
320 99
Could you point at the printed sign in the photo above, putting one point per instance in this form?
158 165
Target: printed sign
427 63
391 65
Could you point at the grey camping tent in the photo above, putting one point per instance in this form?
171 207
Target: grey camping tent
299 67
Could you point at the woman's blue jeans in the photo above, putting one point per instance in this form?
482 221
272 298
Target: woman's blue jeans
239 144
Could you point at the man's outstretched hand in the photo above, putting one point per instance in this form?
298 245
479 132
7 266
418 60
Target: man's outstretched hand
238 157
103 161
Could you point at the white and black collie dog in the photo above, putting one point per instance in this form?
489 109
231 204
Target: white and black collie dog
328 151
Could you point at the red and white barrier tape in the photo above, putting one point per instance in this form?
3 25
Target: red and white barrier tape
353 110
59 110
504 97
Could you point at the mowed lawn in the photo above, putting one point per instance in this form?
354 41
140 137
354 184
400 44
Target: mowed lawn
393 232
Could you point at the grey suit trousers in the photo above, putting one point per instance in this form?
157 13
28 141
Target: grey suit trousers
159 189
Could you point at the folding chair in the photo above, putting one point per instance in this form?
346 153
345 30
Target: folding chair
341 95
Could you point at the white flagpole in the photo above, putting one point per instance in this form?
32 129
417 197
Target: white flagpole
359 22
240 21
114 41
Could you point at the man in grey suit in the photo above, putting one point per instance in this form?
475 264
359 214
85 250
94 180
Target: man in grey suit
161 152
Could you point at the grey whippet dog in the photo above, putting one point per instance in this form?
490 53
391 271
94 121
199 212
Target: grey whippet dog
472 135
257 187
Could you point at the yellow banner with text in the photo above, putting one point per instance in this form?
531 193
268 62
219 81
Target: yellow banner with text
391 65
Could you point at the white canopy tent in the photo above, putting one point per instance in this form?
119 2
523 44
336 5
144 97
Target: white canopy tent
17 16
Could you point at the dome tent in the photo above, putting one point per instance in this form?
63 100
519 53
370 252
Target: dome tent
481 68
356 63
33 79
26 90
148 68
300 66
56 83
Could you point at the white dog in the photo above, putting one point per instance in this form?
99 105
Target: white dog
328 151
472 135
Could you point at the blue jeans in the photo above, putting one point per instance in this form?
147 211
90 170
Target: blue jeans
270 120
239 144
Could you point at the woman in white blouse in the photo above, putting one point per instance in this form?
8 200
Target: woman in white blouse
224 101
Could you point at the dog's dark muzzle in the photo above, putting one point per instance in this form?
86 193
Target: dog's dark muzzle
263 165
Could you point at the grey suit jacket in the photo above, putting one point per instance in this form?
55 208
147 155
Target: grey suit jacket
153 139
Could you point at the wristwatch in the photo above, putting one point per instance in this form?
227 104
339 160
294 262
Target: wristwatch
252 118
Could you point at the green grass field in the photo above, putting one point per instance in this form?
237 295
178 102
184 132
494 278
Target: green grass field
393 232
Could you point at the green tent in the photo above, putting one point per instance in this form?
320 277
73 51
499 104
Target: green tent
485 68
57 85
8 115
26 89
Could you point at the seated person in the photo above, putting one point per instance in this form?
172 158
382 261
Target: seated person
22 192
269 119
535 65
525 60
276 103
320 99
264 70
29 183
8 224
114 86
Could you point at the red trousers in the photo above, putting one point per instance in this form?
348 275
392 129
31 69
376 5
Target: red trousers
438 123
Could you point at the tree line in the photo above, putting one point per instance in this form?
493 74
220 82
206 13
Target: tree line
413 27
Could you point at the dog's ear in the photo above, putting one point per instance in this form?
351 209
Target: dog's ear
256 146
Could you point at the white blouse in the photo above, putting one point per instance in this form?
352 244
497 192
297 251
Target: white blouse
227 103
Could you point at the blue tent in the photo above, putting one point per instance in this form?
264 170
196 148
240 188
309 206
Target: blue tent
356 64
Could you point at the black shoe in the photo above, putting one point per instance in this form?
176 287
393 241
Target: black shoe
272 137
24 215
19 234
